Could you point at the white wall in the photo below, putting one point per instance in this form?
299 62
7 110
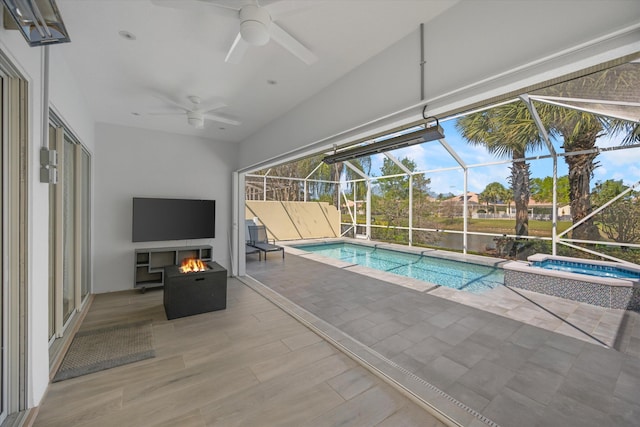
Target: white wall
475 50
70 105
133 162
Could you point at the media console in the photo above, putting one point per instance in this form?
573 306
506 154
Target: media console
151 262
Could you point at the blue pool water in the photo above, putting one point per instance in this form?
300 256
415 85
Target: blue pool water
589 269
452 274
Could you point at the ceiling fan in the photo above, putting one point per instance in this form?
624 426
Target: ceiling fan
257 25
197 113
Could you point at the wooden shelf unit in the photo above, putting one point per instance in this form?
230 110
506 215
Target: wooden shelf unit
150 263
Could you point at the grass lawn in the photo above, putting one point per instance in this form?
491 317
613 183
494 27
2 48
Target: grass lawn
498 226
503 226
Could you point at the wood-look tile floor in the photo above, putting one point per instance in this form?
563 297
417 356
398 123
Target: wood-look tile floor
248 365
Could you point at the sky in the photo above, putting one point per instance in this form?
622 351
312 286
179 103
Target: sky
620 164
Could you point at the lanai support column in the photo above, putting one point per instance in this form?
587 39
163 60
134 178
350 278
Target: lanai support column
410 175
465 214
411 210
368 209
354 186
306 184
554 155
465 169
264 186
368 180
554 226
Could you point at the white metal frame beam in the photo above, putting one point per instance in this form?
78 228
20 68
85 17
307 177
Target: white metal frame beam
545 136
410 175
367 179
465 192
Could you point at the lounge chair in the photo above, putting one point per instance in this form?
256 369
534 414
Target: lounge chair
248 250
259 240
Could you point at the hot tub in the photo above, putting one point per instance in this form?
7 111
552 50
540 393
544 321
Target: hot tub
602 283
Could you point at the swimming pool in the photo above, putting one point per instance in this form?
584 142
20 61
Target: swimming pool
459 275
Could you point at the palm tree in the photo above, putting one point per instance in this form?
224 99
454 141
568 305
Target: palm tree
493 193
580 130
507 131
483 198
507 197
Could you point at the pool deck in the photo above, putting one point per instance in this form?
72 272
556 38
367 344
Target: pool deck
579 320
507 357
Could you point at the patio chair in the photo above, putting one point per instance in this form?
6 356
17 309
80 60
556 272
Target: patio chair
248 250
259 240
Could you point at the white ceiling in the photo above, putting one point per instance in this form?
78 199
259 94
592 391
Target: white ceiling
178 53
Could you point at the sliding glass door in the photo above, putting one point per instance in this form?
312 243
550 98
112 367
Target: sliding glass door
14 196
70 242
85 221
68 183
3 344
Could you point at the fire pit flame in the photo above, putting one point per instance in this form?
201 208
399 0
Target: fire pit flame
193 265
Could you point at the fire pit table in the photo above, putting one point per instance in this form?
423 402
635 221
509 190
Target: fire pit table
195 291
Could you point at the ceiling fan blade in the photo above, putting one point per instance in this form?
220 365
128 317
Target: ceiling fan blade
237 51
165 114
263 3
168 100
221 119
287 41
211 106
201 6
229 9
281 8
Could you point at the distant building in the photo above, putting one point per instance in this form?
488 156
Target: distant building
537 210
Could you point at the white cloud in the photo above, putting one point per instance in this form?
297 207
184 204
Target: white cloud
601 172
446 182
630 156
478 178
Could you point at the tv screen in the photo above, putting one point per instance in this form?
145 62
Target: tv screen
173 219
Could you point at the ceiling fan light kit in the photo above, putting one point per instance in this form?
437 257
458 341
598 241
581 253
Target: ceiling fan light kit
195 119
254 25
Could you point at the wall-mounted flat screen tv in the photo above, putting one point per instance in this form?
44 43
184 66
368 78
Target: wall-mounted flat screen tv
173 219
